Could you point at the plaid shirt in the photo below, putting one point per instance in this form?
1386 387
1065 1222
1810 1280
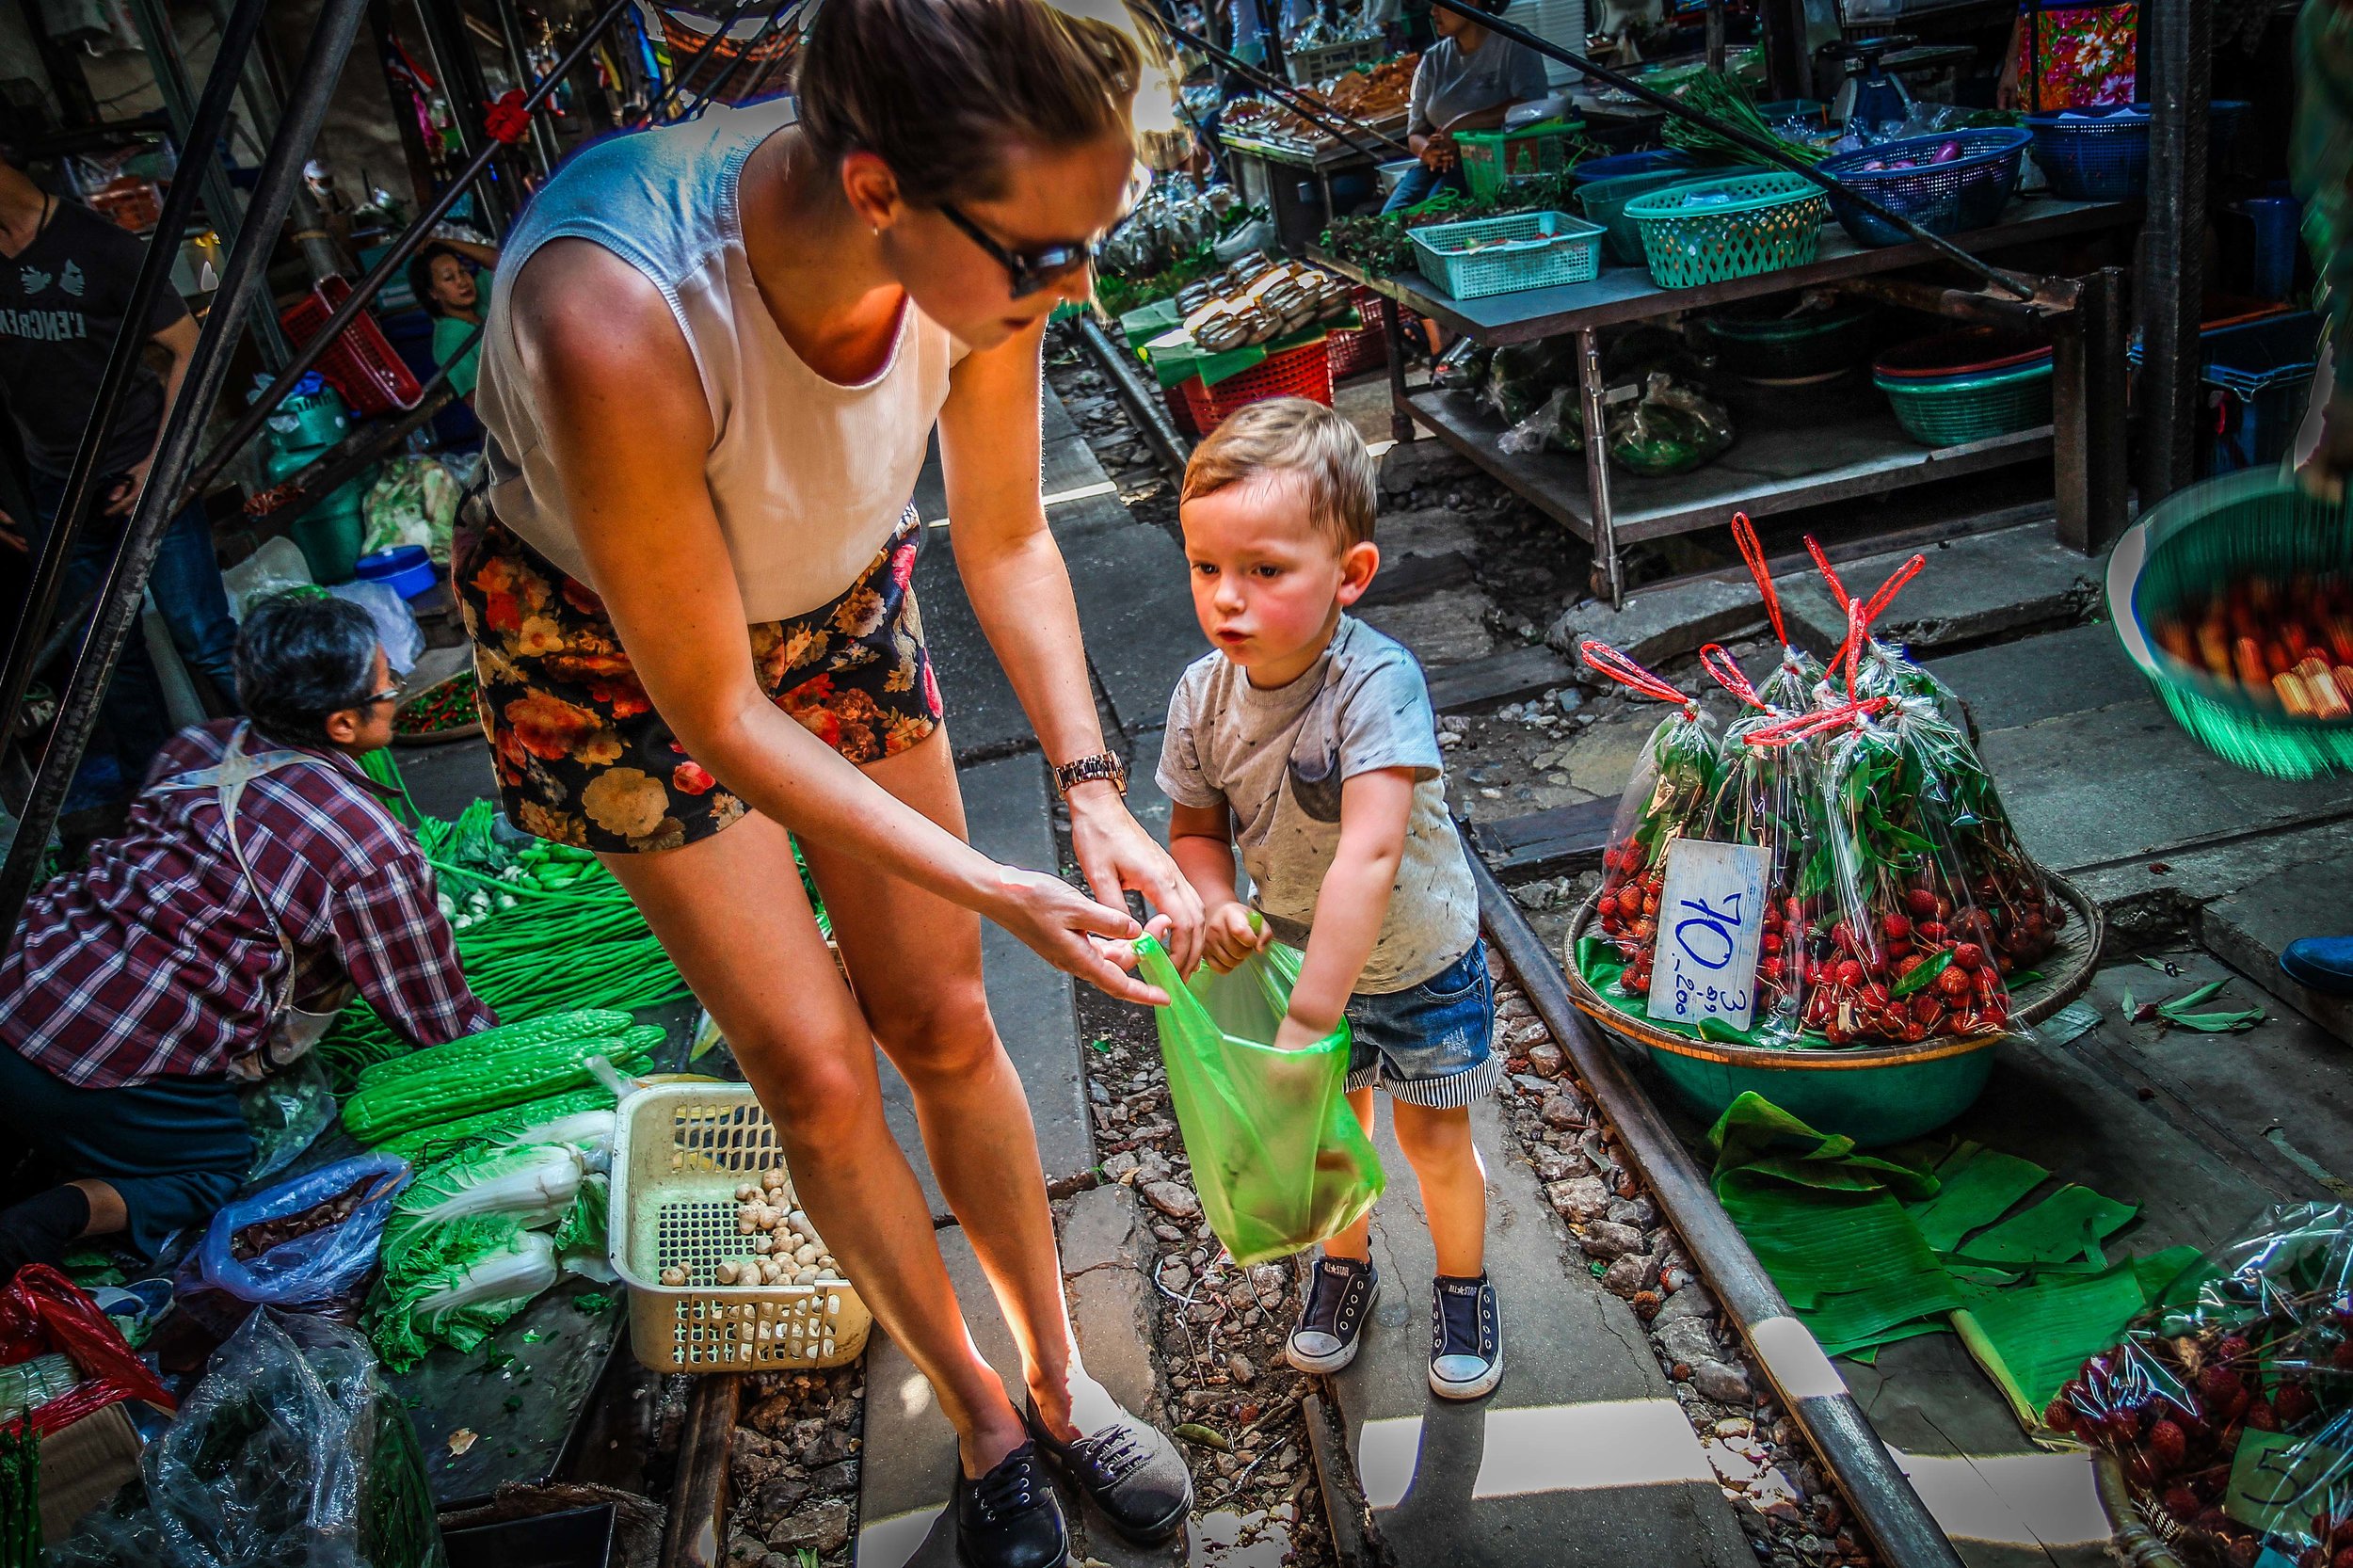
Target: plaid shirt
154 960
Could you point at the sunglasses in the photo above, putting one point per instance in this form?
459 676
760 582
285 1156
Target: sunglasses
387 694
1036 268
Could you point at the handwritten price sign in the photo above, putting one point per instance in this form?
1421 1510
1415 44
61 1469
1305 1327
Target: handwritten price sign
1711 916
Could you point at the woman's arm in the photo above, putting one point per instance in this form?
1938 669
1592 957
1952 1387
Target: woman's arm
481 255
625 419
1019 588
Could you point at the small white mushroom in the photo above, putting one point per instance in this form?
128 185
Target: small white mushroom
799 1221
763 1243
723 1274
806 1253
747 1194
773 1177
807 1276
674 1275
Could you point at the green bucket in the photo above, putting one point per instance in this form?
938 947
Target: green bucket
1733 226
1605 201
1973 409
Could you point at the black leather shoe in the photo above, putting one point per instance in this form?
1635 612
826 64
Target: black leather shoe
1129 1470
1010 1517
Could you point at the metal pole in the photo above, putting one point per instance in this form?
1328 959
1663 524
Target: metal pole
123 360
742 55
223 204
1608 571
2174 45
510 30
1769 148
125 584
310 235
391 261
658 109
463 88
1882 1495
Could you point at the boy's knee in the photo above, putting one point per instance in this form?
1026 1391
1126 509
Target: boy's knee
1433 1136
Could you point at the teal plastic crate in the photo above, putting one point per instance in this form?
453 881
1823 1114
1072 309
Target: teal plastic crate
1505 255
1737 226
1605 201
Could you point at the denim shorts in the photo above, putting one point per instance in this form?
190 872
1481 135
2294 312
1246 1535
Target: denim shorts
1430 1045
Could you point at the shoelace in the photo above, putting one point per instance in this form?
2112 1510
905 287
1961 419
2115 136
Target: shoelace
1008 1488
1327 1295
1109 1456
1462 1325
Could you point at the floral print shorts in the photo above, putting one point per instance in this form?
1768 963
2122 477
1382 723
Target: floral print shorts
582 757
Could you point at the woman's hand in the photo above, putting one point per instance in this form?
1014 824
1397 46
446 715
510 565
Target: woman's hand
1227 936
1438 151
1060 924
1116 856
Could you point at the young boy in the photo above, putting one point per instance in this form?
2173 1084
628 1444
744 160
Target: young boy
1306 741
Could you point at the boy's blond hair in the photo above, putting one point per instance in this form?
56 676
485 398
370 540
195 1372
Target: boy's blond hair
1291 435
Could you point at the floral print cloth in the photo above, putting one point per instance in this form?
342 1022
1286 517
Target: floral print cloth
2079 57
582 757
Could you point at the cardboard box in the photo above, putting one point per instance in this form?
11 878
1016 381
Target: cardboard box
83 1465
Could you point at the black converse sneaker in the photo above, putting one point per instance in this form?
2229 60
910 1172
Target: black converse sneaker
1466 1338
1341 1293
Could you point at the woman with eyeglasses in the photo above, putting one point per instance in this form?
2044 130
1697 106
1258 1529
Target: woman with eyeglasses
260 881
715 354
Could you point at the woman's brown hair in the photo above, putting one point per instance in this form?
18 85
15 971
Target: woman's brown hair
937 89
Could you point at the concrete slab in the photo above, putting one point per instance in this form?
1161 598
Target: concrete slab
984 718
1135 609
1499 678
1658 624
2117 782
1979 586
1006 805
909 1459
1102 1248
2161 895
445 779
2250 927
1448 627
2042 677
1054 420
1581 1456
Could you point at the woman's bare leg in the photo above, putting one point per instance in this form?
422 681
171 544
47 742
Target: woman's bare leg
730 913
915 959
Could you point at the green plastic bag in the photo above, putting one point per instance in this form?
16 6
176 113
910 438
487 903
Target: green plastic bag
1277 1157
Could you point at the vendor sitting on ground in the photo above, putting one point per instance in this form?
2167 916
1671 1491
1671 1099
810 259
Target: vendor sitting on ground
441 276
1467 81
261 880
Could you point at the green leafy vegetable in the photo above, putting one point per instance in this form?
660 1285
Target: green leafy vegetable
456 1285
534 1184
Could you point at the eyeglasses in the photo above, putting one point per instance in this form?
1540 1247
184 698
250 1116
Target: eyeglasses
1031 270
387 694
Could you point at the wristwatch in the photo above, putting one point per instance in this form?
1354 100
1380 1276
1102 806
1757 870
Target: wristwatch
1103 764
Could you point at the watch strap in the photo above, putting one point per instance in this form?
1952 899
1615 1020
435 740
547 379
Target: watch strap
1082 770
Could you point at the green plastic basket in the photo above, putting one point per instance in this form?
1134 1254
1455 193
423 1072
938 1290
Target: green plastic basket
1568 250
1737 226
1953 413
2256 521
1492 159
1605 201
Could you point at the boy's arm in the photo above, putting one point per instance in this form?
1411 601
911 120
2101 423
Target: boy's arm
1375 807
1201 841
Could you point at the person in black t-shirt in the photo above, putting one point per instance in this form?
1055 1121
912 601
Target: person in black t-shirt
65 282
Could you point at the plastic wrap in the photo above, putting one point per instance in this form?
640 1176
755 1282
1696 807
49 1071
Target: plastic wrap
1768 796
43 1313
2230 1407
290 1452
313 1270
1671 796
1915 952
285 1112
1278 1157
1557 426
1881 669
1673 427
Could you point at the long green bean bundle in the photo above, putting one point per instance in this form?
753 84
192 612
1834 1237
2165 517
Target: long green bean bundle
19 1497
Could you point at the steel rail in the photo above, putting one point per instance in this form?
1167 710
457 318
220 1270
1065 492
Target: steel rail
124 585
1764 147
255 416
204 127
1879 1494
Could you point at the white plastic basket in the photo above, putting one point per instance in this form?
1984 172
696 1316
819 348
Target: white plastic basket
680 1152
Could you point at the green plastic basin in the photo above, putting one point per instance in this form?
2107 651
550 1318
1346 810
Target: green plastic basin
1875 1102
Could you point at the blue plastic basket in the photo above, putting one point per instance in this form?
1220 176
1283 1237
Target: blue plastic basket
2105 159
1648 162
1567 250
1952 197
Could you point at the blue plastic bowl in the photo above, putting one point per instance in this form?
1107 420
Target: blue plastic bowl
1632 163
407 569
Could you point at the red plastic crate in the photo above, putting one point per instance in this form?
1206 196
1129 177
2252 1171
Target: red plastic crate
359 364
1364 348
1179 411
1301 372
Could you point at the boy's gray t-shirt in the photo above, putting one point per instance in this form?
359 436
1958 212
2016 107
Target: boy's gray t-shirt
1277 759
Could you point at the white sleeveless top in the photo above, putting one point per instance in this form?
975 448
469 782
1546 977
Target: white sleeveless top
808 477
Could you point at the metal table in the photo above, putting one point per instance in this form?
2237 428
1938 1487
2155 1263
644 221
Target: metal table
1269 164
1788 462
